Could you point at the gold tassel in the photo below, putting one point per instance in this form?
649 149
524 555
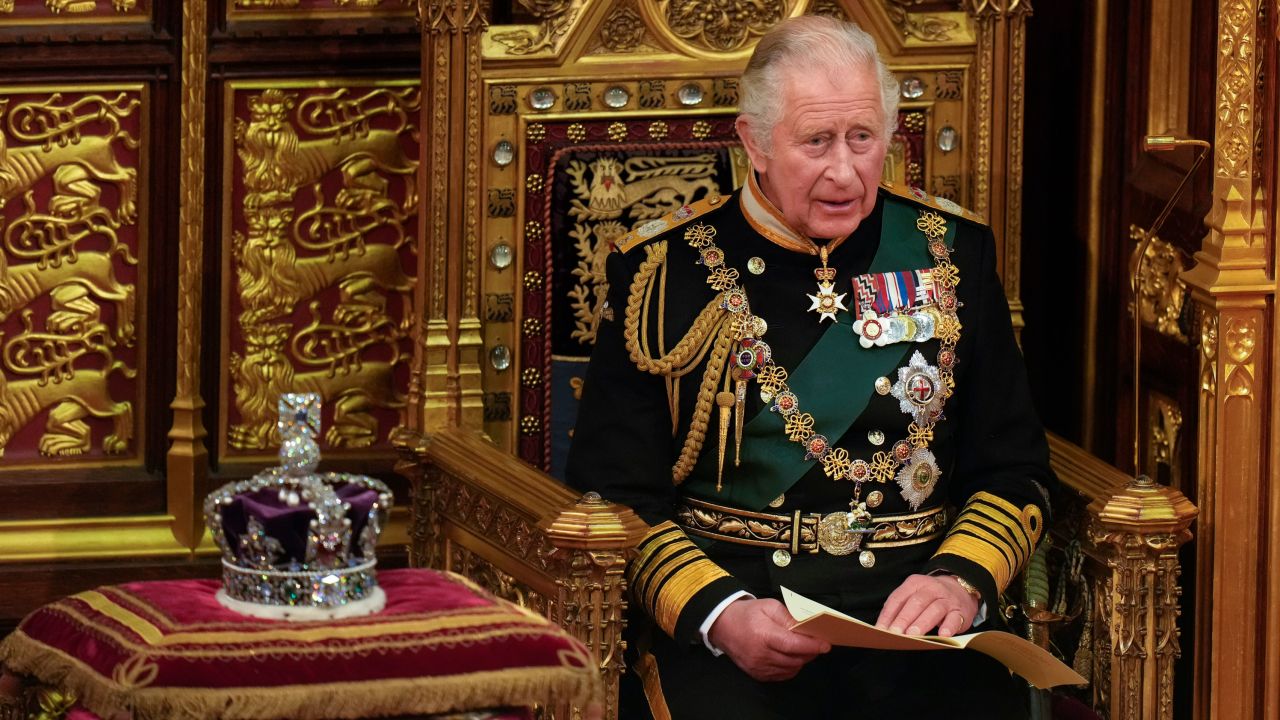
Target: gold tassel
739 409
724 400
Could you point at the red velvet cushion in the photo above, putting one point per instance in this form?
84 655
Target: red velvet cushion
166 649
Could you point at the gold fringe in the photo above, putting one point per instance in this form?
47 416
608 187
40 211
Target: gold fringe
519 687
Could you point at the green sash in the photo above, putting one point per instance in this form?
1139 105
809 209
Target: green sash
834 383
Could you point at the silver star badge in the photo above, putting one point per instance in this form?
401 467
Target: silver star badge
827 303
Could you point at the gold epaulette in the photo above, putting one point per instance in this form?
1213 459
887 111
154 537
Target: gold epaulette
653 228
933 201
995 534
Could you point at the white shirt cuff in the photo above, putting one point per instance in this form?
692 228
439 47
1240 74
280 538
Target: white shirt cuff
705 627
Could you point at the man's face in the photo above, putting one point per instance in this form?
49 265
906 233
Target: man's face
828 150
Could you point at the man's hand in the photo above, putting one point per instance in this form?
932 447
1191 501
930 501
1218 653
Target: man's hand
756 635
923 602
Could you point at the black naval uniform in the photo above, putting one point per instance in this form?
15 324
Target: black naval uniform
989 446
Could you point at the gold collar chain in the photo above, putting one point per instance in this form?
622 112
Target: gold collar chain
754 359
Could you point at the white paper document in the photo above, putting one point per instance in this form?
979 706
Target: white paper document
1021 656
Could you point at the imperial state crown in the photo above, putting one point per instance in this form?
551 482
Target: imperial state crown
296 544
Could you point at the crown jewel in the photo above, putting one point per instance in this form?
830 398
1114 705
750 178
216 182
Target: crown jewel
287 534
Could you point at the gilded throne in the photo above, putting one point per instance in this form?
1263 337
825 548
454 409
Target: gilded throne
547 140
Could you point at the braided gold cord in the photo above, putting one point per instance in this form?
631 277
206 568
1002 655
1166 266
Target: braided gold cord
702 408
635 322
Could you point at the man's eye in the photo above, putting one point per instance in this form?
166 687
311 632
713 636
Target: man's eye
817 140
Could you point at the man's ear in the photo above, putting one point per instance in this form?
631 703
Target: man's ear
747 133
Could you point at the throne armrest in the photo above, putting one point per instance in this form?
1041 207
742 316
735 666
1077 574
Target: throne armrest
523 535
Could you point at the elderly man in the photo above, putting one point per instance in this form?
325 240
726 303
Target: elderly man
813 383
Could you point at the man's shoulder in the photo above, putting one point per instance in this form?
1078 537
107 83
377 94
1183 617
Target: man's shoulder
664 227
905 194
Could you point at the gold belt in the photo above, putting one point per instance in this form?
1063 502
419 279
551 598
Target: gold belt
806 532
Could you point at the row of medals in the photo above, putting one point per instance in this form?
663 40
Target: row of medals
841 533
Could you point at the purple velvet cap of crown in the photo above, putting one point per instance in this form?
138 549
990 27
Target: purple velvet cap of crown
289 524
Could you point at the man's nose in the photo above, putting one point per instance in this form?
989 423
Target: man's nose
840 169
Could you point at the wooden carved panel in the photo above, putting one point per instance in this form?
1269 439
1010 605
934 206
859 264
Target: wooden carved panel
319 236
72 269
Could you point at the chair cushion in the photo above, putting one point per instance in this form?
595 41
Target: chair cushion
169 649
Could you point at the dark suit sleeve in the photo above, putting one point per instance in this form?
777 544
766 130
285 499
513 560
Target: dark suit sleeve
623 447
1001 477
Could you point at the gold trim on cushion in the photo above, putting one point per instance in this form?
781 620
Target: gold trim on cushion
668 571
995 534
420 695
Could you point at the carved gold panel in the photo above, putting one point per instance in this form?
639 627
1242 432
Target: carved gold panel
1161 293
320 225
47 12
73 266
316 9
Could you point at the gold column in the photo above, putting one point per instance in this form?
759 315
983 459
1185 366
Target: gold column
1230 284
593 541
445 388
187 460
997 149
1139 529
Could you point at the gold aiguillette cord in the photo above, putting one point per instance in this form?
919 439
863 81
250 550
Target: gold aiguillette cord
725 400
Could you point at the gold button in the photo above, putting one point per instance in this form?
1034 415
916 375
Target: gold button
755 265
875 437
874 498
883 386
781 557
777 502
867 558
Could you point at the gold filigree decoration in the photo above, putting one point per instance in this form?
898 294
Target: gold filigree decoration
701 129
622 31
658 130
536 132
1236 72
610 197
617 131
576 132
1161 292
721 26
929 28
555 17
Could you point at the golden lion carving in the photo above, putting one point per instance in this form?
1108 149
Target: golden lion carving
273 280
277 162
263 373
73 397
94 271
23 166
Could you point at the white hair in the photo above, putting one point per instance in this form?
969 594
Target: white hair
800 44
